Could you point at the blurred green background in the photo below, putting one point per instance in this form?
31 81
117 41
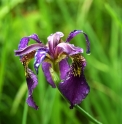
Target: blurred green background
101 20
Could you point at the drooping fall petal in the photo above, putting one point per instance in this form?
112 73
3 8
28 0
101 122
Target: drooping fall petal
46 69
31 78
31 83
74 87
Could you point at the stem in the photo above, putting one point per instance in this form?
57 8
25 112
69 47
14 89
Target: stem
87 115
24 118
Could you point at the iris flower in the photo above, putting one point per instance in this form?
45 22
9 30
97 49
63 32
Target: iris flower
54 58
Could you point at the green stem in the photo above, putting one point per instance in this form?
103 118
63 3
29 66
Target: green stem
24 118
87 115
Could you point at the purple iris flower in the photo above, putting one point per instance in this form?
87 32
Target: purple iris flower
54 57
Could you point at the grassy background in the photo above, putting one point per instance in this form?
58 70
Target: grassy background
101 20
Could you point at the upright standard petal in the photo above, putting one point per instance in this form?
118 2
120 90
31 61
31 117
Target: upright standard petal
46 69
74 87
24 41
74 33
53 41
39 57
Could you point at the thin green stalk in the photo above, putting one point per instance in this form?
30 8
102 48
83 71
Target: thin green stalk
24 118
87 115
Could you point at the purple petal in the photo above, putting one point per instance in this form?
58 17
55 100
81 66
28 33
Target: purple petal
31 103
31 83
68 49
74 89
24 41
87 43
35 37
64 68
53 40
29 49
39 57
46 66
74 33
